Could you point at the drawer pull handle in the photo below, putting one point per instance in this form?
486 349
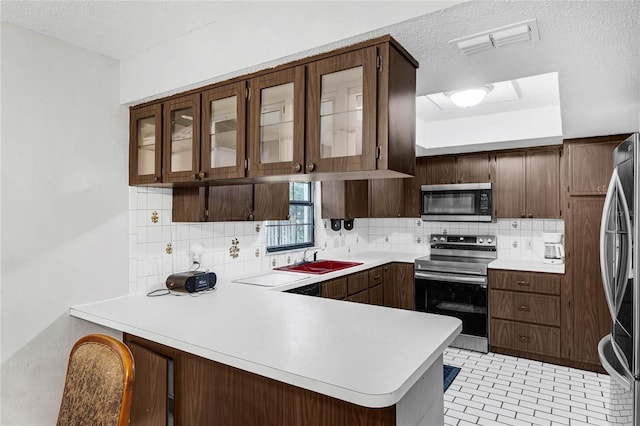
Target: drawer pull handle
524 338
524 308
376 277
524 283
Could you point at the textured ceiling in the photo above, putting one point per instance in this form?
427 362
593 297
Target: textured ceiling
593 45
116 28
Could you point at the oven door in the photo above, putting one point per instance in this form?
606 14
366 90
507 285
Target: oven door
460 296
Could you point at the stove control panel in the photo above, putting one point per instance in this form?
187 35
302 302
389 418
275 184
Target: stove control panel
466 240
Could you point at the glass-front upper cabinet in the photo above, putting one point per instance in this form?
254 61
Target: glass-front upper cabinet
223 132
182 139
145 145
341 112
276 123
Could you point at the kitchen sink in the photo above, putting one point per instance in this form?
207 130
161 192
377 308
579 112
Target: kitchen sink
319 266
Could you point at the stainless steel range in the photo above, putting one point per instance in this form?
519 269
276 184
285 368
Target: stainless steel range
452 281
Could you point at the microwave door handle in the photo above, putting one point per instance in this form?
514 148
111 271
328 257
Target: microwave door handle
607 281
623 279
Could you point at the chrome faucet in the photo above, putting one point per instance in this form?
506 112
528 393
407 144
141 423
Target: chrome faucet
315 254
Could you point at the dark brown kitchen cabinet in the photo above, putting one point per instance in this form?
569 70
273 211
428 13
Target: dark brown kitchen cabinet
357 282
276 122
525 314
345 199
150 402
358 104
591 319
181 139
527 184
412 188
334 289
440 170
223 132
461 168
145 146
231 203
590 163
399 285
386 198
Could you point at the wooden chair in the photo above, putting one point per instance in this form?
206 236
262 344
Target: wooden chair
99 383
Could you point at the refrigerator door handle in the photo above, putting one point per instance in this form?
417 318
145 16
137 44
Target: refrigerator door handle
616 375
606 278
623 279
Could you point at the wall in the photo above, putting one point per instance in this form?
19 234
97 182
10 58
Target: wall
64 210
151 231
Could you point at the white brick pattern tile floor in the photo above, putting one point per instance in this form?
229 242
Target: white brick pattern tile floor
494 389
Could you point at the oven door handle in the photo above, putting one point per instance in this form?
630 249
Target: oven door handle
452 278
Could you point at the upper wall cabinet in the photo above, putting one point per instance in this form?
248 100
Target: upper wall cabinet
361 112
341 115
223 132
145 147
276 120
181 159
527 184
463 168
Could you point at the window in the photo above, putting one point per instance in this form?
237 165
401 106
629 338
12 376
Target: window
297 232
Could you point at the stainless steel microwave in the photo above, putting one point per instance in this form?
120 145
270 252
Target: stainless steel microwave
464 202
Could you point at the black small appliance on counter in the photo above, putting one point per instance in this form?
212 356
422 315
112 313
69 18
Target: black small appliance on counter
191 281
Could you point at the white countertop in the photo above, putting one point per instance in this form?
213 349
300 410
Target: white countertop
527 265
364 354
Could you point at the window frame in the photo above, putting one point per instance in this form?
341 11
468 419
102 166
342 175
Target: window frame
282 224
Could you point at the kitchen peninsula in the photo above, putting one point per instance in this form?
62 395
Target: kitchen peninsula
246 354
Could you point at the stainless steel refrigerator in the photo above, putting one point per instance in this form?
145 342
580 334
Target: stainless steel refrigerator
619 232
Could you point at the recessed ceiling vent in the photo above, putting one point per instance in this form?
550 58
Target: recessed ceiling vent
498 37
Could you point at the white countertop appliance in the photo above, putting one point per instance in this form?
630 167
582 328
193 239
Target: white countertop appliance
619 351
452 281
553 248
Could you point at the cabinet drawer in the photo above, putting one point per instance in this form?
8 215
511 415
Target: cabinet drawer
536 308
334 289
362 297
357 282
530 282
375 276
531 338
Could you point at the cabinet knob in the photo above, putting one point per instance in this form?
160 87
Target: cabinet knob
250 217
288 216
194 176
156 178
523 215
598 188
311 167
524 338
524 283
202 175
530 215
297 167
524 308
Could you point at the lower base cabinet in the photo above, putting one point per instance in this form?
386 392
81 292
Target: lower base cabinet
214 394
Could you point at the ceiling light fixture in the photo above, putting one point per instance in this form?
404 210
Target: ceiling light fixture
466 98
498 37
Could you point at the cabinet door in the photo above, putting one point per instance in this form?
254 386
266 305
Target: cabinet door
376 295
543 184
591 320
223 132
276 123
441 170
412 196
334 289
399 286
271 201
590 165
472 168
149 406
145 145
341 112
181 148
357 282
345 199
189 204
509 188
385 198
362 297
230 203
